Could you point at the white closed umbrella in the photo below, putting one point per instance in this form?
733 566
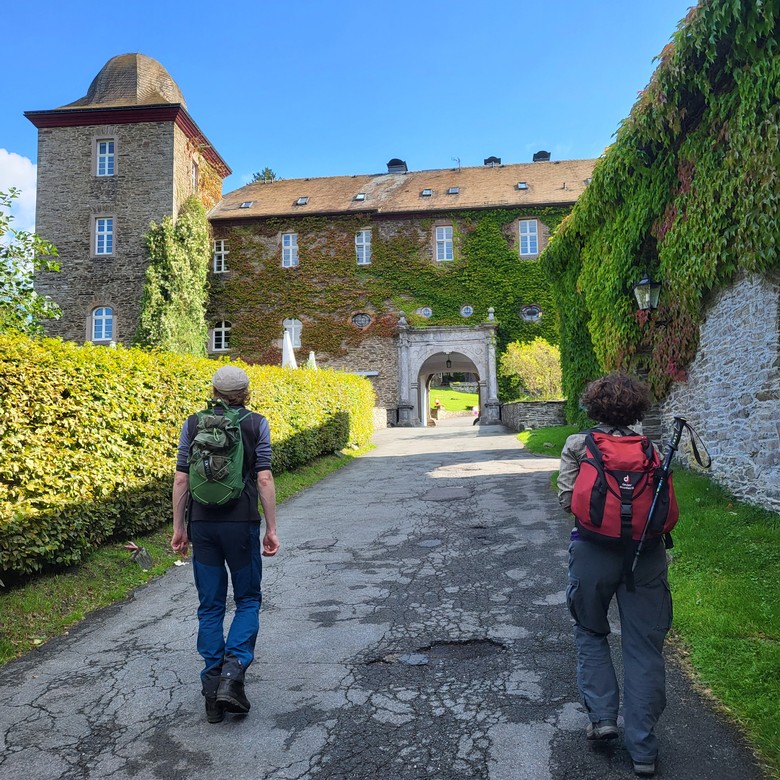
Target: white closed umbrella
288 354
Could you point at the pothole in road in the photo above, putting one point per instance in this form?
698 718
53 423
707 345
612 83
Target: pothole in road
444 652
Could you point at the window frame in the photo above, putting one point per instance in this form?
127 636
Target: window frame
219 256
442 244
221 329
97 317
110 158
108 236
526 238
363 247
295 328
290 258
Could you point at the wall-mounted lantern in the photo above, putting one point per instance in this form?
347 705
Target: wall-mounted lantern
449 362
647 291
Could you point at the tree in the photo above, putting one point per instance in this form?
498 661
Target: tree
173 308
265 176
22 254
534 368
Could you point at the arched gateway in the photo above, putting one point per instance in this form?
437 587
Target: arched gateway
423 352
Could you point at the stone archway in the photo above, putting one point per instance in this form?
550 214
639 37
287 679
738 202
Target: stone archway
423 351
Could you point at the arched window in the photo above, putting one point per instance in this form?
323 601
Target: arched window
102 324
221 337
294 327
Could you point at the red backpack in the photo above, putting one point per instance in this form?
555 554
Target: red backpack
615 486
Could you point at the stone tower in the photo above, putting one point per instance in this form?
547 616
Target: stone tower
124 155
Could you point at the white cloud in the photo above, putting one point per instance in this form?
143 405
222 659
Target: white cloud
17 171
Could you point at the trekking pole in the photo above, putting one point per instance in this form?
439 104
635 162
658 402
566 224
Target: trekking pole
679 424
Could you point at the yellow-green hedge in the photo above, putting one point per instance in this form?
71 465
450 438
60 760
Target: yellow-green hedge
88 438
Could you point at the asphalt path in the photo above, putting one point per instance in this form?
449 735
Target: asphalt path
414 626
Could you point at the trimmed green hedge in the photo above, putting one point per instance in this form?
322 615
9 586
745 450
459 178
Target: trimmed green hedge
88 438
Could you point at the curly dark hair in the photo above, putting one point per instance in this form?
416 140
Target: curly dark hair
616 399
233 398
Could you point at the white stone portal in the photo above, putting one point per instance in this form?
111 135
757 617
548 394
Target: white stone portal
423 352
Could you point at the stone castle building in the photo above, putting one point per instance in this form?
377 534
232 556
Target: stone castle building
109 164
399 276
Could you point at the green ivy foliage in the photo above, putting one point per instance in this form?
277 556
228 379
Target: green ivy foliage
328 286
88 438
688 192
173 306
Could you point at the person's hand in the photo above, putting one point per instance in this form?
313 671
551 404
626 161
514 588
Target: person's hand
180 542
270 543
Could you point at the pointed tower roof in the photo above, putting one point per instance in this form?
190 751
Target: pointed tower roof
130 80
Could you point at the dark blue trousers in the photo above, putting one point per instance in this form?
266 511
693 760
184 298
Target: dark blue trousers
595 578
219 548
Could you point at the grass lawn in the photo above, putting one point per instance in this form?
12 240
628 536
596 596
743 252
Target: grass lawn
46 606
453 401
725 578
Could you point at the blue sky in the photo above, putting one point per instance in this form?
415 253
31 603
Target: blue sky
339 87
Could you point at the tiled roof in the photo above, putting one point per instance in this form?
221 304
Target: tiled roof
547 183
130 80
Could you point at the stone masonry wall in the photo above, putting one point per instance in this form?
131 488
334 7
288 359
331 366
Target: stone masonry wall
732 396
70 195
521 415
374 354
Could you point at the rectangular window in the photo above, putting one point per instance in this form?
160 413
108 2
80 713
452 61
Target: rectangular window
104 236
220 256
105 157
289 250
363 247
529 237
444 243
221 336
194 176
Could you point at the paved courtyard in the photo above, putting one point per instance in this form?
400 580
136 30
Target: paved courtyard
414 627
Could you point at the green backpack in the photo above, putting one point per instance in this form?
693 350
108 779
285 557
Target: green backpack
217 455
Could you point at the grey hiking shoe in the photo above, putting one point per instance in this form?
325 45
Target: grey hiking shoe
602 729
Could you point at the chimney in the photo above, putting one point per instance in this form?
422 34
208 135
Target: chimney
542 157
396 166
492 161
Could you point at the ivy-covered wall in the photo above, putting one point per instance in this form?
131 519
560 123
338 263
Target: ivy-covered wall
328 287
689 193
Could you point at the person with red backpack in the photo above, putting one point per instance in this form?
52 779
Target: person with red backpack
608 479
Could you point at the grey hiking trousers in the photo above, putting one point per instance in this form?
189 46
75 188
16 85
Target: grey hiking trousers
595 576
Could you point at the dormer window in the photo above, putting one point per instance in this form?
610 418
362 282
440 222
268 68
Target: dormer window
522 185
302 201
246 204
426 193
360 196
453 190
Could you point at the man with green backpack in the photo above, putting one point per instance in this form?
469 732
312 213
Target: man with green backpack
223 468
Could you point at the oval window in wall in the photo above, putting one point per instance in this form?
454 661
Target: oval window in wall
466 311
361 320
425 311
531 313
